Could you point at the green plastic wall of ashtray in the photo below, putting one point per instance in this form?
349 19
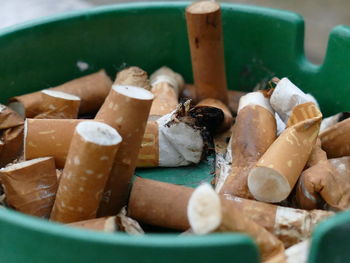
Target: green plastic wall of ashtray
259 43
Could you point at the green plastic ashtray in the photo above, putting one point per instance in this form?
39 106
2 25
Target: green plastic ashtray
259 43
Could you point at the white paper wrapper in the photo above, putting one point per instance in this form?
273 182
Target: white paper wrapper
286 96
255 98
179 143
281 126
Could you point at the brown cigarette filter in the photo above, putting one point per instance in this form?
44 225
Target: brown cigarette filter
109 224
289 225
253 133
11 145
31 186
207 213
228 119
279 168
303 112
149 152
204 30
336 139
317 154
153 203
327 181
89 162
91 89
58 105
133 76
9 118
166 86
126 109
48 137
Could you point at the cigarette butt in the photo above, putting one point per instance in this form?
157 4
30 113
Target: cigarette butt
286 96
89 162
110 224
126 109
303 112
9 118
327 181
207 213
149 152
204 30
253 133
133 76
58 105
152 202
48 137
11 143
336 139
289 225
233 99
91 89
228 119
31 186
279 168
166 86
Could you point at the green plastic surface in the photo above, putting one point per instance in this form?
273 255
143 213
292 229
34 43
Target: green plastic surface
259 43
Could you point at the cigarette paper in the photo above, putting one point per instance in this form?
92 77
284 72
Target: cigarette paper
166 86
279 168
110 224
133 76
286 96
228 119
327 181
207 50
253 133
207 213
298 253
336 139
126 108
89 162
91 89
31 186
153 203
58 105
289 225
48 137
173 140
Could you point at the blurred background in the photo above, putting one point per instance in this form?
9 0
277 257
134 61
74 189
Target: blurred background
320 15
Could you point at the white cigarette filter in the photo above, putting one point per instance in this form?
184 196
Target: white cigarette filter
126 108
58 105
89 162
286 96
253 133
277 171
31 186
207 213
166 87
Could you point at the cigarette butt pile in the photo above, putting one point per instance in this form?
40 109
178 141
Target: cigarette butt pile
69 153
